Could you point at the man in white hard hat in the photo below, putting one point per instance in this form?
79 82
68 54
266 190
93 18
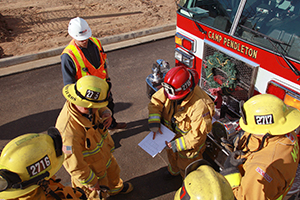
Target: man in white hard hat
85 56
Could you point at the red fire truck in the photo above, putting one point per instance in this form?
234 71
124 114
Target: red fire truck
240 48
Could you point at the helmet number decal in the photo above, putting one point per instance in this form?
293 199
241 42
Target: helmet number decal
92 94
264 119
186 85
39 166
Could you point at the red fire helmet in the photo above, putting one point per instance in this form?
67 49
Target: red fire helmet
179 81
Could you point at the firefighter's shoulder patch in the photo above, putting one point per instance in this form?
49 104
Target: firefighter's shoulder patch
67 149
264 174
290 137
206 114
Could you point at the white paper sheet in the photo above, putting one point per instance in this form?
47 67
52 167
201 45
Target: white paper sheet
153 147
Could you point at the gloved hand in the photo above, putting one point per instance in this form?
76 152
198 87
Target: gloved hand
231 144
103 192
233 161
231 171
227 144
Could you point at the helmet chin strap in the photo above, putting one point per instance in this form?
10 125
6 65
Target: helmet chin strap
193 81
267 135
179 101
90 112
33 181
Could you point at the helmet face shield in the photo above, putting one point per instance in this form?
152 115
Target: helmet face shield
3 183
9 180
168 88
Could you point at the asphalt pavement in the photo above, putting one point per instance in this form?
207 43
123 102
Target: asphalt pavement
31 100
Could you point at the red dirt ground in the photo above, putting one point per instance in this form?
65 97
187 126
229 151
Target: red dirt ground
31 26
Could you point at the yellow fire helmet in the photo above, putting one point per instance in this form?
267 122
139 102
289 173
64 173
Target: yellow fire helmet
204 183
266 113
88 92
28 159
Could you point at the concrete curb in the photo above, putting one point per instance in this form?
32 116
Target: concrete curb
17 64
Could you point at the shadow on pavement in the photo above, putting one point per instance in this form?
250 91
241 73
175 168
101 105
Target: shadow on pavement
154 187
133 128
36 123
120 106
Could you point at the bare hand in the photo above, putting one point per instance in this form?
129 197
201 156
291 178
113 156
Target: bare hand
168 144
154 133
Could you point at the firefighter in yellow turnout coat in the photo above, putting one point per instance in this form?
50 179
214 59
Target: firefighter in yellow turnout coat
269 149
186 110
27 167
88 146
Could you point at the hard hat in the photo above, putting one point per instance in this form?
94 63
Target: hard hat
88 92
79 29
204 183
179 81
266 113
28 159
